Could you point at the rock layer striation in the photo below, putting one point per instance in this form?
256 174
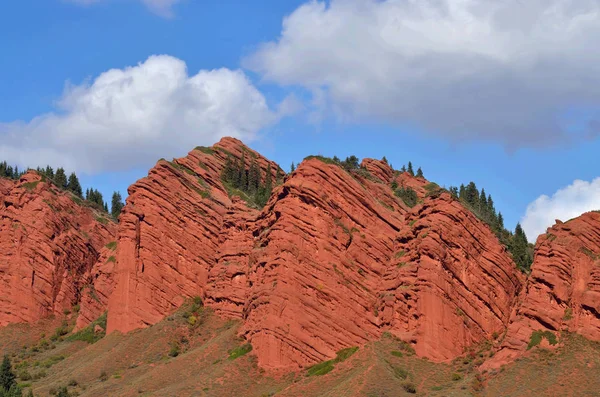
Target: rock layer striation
50 244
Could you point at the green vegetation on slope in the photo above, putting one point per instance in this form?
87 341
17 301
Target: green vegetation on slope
248 181
482 206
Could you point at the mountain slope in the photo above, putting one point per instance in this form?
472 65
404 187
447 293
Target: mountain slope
49 247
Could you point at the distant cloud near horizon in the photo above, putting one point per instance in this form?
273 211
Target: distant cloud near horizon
566 203
134 116
163 8
466 70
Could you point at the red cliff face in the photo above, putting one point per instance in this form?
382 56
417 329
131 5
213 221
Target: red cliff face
170 236
563 290
451 284
49 245
339 259
333 260
322 243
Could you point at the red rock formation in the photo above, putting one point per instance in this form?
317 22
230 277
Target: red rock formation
563 290
170 232
317 269
48 243
339 260
451 284
99 284
324 240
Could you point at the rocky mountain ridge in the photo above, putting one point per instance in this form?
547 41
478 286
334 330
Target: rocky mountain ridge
334 259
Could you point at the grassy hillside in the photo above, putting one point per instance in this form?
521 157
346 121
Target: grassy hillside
195 353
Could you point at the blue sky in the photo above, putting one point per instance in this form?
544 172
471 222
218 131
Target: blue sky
491 102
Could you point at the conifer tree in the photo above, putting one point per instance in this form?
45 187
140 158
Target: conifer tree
410 169
60 178
278 176
49 172
384 160
403 169
471 194
269 180
454 191
7 376
105 207
74 186
253 177
293 167
230 171
243 176
117 205
420 173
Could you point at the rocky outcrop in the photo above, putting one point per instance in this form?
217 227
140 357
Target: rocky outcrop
171 232
323 242
451 284
339 259
563 291
49 244
99 285
333 260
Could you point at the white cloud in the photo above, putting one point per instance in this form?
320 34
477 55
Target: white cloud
160 7
565 204
134 116
503 71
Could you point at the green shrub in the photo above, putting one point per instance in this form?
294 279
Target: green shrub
175 349
409 387
397 353
102 220
24 375
400 373
103 376
456 377
345 354
112 245
327 366
406 347
240 351
408 195
60 331
321 369
50 361
88 334
31 185
537 336
205 149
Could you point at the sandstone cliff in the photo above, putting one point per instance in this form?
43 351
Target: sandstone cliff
563 291
170 235
49 246
333 260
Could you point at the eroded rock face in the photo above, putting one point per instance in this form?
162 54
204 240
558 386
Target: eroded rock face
49 244
451 284
170 235
323 243
99 285
333 260
563 290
